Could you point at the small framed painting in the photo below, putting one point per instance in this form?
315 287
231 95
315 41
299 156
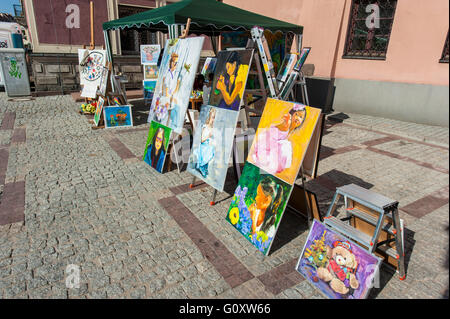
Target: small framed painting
150 53
336 266
150 72
99 110
118 116
157 145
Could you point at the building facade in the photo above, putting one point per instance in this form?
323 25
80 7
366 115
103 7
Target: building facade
389 60
59 28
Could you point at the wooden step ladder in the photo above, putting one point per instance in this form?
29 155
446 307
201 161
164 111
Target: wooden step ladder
372 220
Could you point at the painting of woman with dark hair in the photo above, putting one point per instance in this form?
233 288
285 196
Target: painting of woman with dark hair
156 153
230 78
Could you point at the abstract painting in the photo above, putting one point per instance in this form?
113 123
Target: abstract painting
282 138
156 146
118 116
301 60
209 66
335 265
230 78
258 205
91 64
150 53
149 85
212 145
175 81
99 110
150 72
286 67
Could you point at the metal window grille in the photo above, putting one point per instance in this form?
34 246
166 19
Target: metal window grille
130 39
444 57
366 41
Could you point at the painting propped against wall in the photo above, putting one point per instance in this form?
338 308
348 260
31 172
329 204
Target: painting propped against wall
212 145
230 78
157 145
336 266
258 205
282 138
175 81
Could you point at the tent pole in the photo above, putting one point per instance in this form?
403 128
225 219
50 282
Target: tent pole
109 55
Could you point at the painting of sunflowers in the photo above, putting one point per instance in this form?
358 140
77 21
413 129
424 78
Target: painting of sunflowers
118 116
258 205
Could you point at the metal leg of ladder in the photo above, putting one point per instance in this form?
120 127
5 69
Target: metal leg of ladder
373 243
191 185
213 202
399 244
333 205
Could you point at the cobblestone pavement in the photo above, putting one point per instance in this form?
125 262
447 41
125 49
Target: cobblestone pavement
73 195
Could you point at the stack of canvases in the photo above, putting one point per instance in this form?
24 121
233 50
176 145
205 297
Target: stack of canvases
213 138
271 169
171 97
149 59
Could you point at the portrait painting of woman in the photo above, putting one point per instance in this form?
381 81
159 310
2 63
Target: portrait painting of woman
230 78
156 149
205 152
282 138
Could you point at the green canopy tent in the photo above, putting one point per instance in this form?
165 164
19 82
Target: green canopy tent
208 17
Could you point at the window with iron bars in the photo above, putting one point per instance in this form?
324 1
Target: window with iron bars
130 39
444 57
366 39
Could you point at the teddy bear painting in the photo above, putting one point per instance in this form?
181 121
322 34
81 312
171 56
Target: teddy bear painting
336 266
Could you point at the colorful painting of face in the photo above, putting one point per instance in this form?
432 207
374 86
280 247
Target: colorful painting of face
99 110
118 116
150 72
282 138
212 145
336 266
230 78
150 53
175 81
258 205
286 67
156 146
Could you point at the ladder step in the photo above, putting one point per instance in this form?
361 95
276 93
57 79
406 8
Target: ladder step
388 250
367 197
370 219
349 231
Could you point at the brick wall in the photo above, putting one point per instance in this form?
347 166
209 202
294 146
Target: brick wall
51 71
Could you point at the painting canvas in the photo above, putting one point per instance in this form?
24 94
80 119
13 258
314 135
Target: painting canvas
118 116
258 205
286 67
104 81
175 81
156 146
282 138
302 58
150 72
99 110
335 265
212 145
150 53
288 85
149 85
209 66
230 78
91 65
